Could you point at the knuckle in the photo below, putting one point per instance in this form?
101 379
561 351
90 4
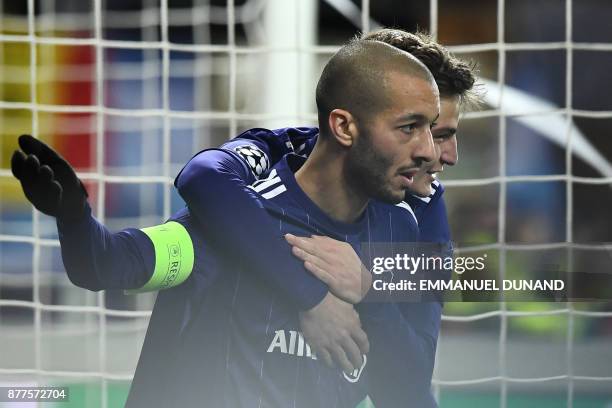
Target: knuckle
345 334
326 343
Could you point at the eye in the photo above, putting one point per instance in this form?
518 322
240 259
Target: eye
433 125
444 134
408 129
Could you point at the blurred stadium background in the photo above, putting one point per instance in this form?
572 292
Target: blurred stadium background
129 90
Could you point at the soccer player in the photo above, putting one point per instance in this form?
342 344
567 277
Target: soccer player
225 337
332 261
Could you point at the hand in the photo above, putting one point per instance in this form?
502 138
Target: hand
333 330
335 263
48 181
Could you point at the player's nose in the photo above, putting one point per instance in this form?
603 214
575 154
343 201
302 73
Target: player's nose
425 150
448 151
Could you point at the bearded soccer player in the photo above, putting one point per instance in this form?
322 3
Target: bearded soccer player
219 335
332 261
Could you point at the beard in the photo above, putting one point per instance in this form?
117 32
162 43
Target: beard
368 170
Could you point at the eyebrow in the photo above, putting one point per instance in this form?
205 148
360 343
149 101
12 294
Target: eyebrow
450 130
417 116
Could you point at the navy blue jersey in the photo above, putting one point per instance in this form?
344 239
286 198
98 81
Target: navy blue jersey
238 340
186 317
214 183
430 213
419 327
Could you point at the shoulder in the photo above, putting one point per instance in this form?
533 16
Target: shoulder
254 149
271 187
302 139
402 210
405 210
254 156
420 205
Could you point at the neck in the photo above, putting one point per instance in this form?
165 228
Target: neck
324 180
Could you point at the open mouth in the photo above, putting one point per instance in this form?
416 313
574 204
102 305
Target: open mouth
434 172
408 176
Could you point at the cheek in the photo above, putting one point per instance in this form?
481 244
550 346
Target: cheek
380 154
449 147
415 142
398 154
384 140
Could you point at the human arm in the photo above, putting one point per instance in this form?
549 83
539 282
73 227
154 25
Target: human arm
401 358
329 330
215 186
215 181
335 263
94 258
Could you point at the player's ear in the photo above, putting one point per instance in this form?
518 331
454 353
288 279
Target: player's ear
342 126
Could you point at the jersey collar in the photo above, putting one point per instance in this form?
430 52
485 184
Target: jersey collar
286 169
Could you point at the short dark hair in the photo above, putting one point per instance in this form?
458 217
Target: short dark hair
454 77
355 78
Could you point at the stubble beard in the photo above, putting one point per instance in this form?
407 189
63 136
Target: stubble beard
368 170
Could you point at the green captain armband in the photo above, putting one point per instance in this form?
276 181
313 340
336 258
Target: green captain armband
174 256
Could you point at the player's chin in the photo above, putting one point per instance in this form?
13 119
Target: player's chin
421 184
393 194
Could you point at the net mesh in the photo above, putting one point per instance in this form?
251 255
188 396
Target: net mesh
128 91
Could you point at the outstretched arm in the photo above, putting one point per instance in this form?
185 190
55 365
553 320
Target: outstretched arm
95 258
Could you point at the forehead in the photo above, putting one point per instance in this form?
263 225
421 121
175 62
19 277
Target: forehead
449 108
412 93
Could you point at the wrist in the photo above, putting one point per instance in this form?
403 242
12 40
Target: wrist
366 282
73 219
316 296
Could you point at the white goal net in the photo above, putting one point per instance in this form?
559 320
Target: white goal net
129 90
